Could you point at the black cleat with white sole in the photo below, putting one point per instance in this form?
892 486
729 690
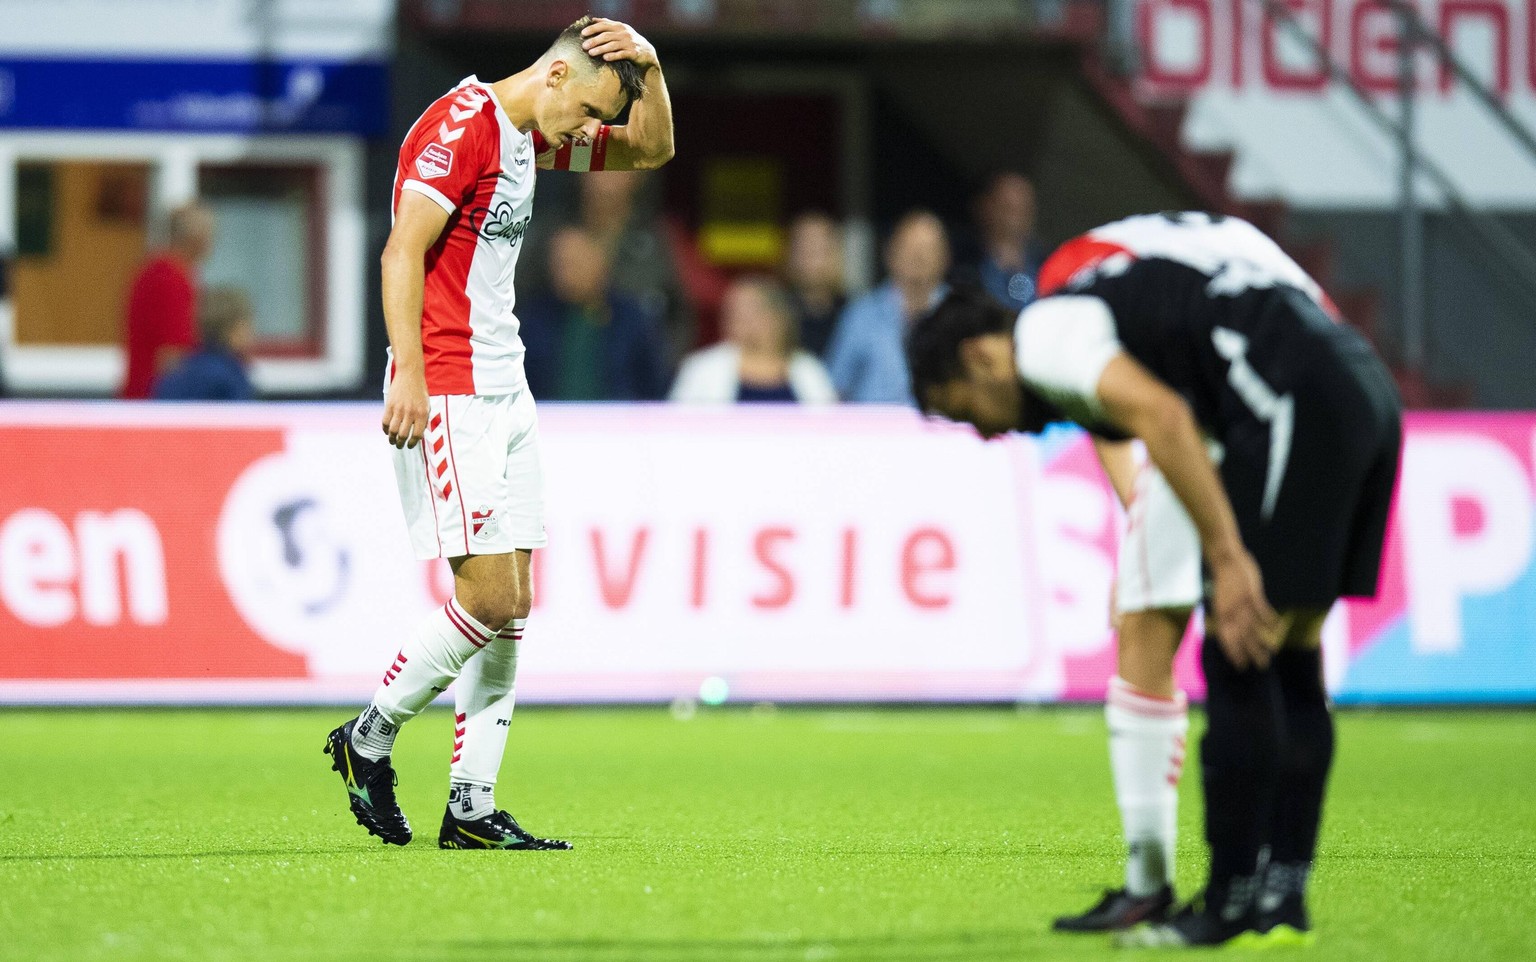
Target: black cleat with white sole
1189 928
1224 915
370 788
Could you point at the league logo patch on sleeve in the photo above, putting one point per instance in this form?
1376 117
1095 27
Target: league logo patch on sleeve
435 161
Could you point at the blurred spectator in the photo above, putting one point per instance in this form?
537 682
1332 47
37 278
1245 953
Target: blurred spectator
216 370
639 257
162 303
813 268
4 272
866 356
758 360
1007 259
585 340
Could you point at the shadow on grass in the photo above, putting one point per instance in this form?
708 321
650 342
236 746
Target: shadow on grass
216 853
978 945
420 846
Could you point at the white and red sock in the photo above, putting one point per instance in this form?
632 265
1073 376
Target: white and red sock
483 698
470 801
428 662
1146 756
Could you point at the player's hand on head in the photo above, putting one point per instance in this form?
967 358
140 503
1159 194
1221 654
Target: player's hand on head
1245 625
612 40
405 412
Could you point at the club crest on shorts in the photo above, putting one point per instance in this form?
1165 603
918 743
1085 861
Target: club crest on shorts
435 161
482 523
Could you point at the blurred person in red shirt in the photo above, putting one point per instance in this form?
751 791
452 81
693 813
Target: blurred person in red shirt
161 326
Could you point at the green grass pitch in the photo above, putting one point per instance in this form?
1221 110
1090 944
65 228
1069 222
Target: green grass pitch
737 836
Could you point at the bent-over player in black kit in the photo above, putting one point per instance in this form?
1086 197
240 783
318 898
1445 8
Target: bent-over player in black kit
1278 429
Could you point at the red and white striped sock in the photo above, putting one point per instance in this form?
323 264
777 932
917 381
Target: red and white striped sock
1146 756
482 714
428 662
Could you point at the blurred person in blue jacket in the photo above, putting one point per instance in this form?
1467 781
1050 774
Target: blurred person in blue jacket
216 370
867 356
586 341
1004 258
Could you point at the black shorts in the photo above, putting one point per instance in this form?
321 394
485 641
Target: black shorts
1319 536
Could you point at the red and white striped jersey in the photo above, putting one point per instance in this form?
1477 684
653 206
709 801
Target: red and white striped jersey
466 156
1184 294
1233 253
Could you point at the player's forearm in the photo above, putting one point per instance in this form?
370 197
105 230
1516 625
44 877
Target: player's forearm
650 121
403 282
1174 444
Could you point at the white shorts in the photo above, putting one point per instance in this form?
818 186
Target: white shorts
475 484
1160 553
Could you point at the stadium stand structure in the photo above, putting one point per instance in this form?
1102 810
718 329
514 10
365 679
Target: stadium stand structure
1158 126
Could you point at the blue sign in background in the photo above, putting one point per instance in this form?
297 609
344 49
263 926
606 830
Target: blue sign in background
204 96
1496 662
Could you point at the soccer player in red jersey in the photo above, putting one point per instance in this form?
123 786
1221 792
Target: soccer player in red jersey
1157 587
457 407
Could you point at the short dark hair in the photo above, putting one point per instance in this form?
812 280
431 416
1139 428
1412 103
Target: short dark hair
933 344
631 77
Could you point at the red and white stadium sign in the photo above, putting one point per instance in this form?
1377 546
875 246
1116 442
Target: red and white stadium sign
1297 135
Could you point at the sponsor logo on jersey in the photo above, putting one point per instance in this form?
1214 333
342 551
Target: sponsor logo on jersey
498 223
435 161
